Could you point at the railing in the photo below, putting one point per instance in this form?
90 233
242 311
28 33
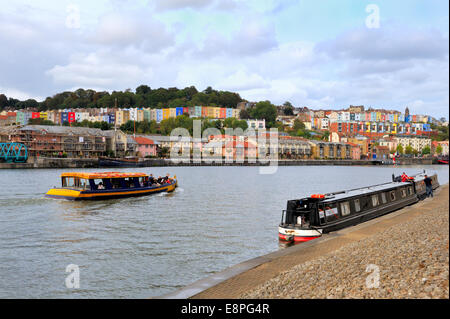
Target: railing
13 152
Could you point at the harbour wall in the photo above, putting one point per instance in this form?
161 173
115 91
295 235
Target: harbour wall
94 163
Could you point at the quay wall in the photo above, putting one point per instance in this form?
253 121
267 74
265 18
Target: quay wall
404 254
94 163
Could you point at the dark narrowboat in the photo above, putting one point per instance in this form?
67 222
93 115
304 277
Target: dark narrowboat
310 217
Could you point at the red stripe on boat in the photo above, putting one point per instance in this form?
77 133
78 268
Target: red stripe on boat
303 239
284 237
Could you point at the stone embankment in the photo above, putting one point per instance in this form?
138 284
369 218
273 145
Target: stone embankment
94 163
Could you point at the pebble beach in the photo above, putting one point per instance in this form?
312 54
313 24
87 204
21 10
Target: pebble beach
406 260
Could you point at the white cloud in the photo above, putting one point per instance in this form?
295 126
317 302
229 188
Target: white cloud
122 31
98 70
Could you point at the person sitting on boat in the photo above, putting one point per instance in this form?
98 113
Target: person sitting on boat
100 186
159 180
405 177
167 179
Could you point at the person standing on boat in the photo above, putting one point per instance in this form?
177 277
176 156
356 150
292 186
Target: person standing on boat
429 186
151 180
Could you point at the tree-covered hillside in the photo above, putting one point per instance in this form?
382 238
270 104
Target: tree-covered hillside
144 96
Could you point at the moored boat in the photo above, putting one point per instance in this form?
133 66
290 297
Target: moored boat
107 185
310 217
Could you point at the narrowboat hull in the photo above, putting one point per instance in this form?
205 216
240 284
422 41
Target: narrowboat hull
293 234
77 194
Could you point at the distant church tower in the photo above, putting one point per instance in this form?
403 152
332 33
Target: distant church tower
406 112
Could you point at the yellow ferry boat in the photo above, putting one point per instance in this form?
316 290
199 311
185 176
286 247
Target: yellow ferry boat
107 185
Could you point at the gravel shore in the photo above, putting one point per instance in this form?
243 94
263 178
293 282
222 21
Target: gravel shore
407 260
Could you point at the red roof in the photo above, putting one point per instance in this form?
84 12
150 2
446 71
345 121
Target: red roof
144 141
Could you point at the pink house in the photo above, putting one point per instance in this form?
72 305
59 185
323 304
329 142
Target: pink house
146 147
235 150
355 151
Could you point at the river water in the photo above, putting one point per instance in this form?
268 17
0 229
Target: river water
147 246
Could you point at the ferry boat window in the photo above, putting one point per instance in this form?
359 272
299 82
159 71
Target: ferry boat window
84 183
392 195
69 181
115 183
403 192
383 198
129 182
375 200
345 208
98 184
357 205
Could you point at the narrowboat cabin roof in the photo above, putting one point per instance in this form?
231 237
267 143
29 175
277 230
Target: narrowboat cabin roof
100 175
365 190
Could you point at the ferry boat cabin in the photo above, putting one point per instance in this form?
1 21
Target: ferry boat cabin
107 185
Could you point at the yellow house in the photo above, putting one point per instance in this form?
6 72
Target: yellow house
166 113
43 115
378 116
395 118
122 117
153 115
236 113
172 112
216 112
368 127
140 115
394 128
210 110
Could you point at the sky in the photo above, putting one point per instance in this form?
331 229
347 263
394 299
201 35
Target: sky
325 54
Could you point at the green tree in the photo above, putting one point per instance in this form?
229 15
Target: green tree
288 109
400 149
264 110
408 149
325 135
426 150
3 101
298 125
143 89
439 149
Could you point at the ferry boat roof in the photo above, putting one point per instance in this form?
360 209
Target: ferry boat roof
100 175
364 190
